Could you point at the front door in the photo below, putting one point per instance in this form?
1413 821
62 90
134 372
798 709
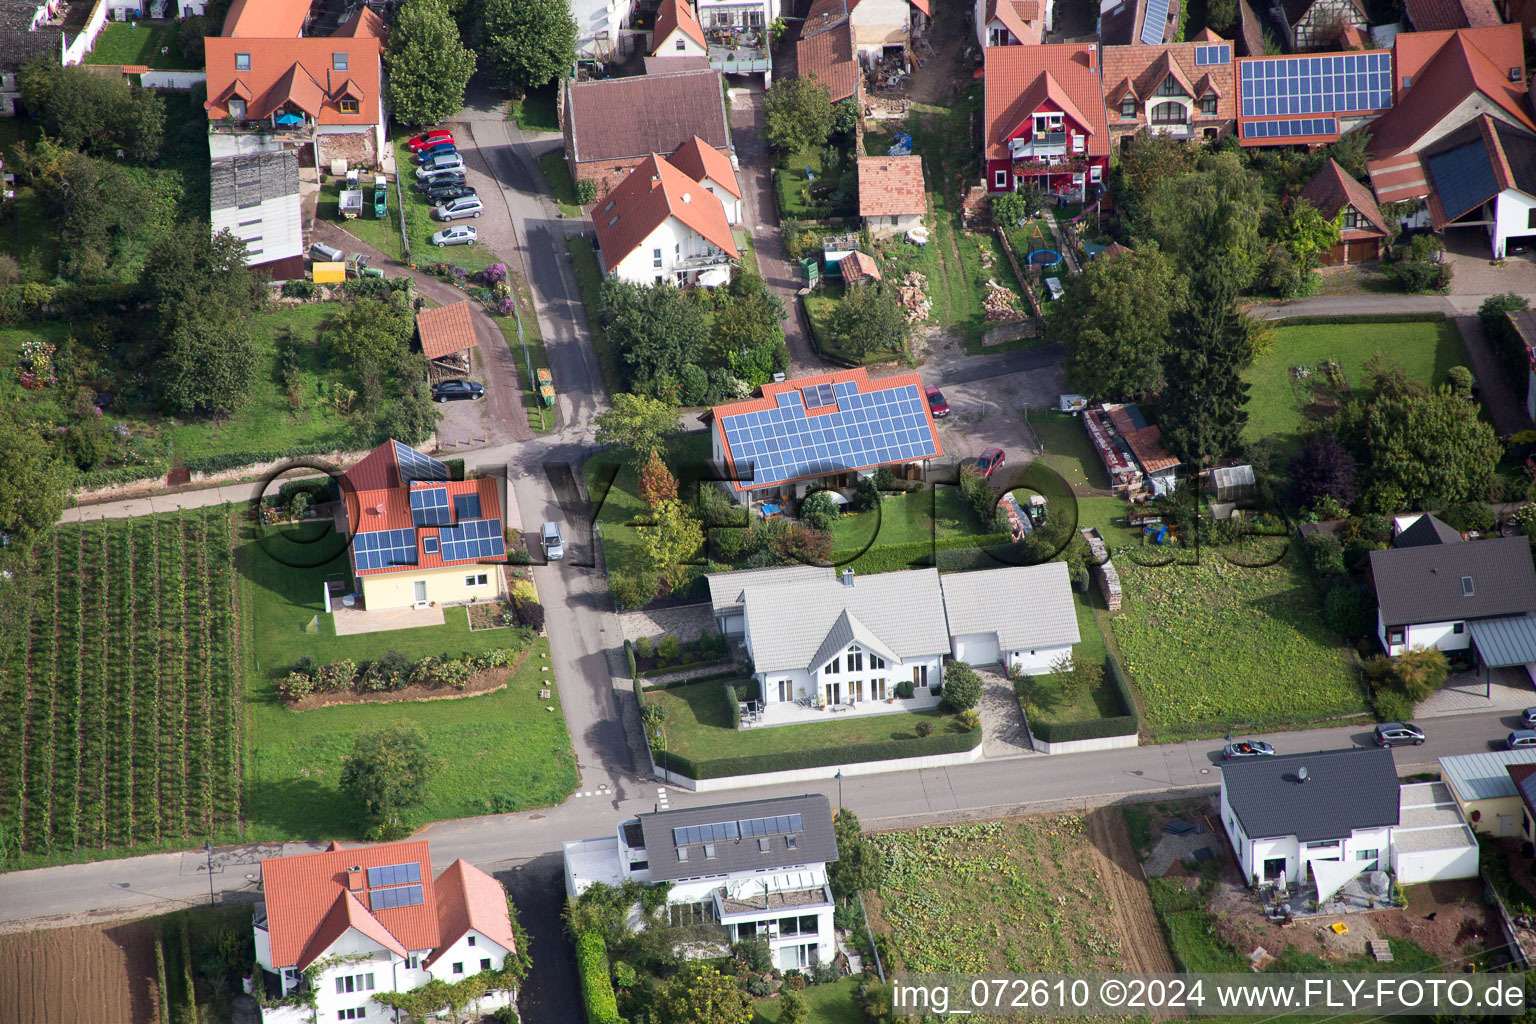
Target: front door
1506 824
786 691
877 689
857 690
421 591
919 675
834 693
1274 868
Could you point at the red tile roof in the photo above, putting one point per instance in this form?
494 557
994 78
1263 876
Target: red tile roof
309 905
296 71
1141 69
270 19
1058 76
891 186
1021 17
829 57
468 898
1399 177
673 15
1332 188
1146 442
446 330
654 191
660 113
858 266
1439 15
697 159
1443 69
364 23
390 509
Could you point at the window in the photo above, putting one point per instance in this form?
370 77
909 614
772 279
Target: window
1322 843
413 962
1515 74
1397 635
764 844
485 964
352 1013
833 666
856 662
458 968
338 62
1045 123
1079 143
682 44
1208 106
1407 82
655 257
919 675
1352 219
1128 107
237 109
1530 219
1000 179
1459 628
1367 854
875 661
242 62
682 853
347 105
1095 173
1466 586
1171 87
471 940
248 223
354 983
1170 113
709 851
481 580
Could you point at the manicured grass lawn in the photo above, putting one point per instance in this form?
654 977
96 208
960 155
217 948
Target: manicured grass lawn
1051 704
1018 895
611 483
698 727
590 279
539 418
536 111
829 1004
558 175
138 43
790 180
1425 350
1107 514
501 752
930 514
1213 645
1067 449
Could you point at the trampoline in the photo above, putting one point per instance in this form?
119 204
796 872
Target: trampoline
1043 258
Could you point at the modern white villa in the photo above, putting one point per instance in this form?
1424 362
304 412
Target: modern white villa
757 868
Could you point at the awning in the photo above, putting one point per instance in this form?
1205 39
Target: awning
1331 875
1504 643
714 278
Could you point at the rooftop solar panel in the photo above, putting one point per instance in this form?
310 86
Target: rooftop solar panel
416 466
394 874
716 833
774 826
466 506
1156 22
1290 129
1213 54
471 539
429 506
382 549
390 899
1333 83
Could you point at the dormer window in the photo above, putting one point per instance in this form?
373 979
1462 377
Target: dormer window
242 62
347 105
1208 106
1128 107
237 108
338 62
792 842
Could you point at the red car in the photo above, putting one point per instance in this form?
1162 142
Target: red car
990 461
434 137
936 403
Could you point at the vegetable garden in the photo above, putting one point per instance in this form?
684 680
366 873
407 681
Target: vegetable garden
118 715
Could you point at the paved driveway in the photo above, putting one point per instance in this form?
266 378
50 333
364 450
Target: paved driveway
989 413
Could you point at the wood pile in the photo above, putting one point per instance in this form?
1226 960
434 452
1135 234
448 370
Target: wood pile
998 304
911 294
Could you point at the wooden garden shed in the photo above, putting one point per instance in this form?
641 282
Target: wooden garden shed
447 336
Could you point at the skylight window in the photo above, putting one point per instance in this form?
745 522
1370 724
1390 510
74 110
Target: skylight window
1466 586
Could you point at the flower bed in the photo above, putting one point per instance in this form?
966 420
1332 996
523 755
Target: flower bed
393 673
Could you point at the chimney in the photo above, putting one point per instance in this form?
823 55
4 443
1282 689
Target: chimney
1302 775
1093 57
355 879
848 578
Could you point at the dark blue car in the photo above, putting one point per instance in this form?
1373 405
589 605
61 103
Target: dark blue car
441 149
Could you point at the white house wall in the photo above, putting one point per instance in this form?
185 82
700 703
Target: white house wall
1426 634
1039 660
976 648
880 23
1435 865
599 25
1512 218
731 204
328 1004
669 46
817 684
675 239
469 956
272 230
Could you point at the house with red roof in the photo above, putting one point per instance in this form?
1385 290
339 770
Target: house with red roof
879 29
338 926
826 53
825 431
1445 15
892 198
1187 90
1044 119
275 83
678 32
418 537
1012 22
667 224
1334 193
660 113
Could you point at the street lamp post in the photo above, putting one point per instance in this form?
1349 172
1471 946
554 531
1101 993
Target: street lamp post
208 850
839 778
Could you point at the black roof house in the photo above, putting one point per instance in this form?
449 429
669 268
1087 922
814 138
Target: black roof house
1478 579
721 839
1318 796
1426 530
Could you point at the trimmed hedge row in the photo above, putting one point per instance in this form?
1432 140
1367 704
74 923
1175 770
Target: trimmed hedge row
596 985
752 764
1096 728
1358 318
733 707
236 460
892 557
629 660
713 677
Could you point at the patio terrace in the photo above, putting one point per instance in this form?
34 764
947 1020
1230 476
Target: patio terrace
795 713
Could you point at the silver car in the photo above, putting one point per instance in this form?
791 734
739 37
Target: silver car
554 546
458 235
457 209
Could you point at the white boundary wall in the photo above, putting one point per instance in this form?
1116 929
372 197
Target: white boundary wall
896 764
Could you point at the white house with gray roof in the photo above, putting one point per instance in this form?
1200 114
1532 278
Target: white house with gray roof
1022 617
256 197
753 869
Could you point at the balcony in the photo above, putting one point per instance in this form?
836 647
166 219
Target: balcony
1042 145
702 260
1178 129
301 132
739 60
1041 165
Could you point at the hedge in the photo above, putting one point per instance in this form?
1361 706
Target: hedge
752 764
732 676
1358 318
319 488
892 557
684 665
1095 728
112 475
629 659
732 706
237 460
596 985
455 469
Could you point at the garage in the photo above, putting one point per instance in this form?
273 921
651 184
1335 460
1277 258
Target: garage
978 649
733 625
1431 842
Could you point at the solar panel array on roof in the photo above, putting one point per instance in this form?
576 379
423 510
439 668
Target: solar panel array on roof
1316 85
429 506
384 548
783 443
466 506
1213 54
1464 179
473 538
819 396
716 833
390 899
1289 129
416 466
775 826
394 874
1157 20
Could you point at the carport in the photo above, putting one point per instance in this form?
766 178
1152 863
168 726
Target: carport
1505 643
447 336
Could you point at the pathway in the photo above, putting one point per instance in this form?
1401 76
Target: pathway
1494 390
1002 720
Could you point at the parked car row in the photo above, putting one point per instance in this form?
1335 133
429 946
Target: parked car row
1387 734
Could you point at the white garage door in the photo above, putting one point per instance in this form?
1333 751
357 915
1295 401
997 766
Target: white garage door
978 649
735 625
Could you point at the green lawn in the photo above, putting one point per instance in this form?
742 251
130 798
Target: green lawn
138 43
1051 704
590 279
819 305
558 175
1067 448
611 483
1213 645
501 752
790 181
698 726
1277 405
539 418
383 235
930 514
536 111
829 1004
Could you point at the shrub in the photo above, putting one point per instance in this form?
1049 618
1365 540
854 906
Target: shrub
1393 706
923 729
825 974
754 954
904 689
1324 555
596 986
866 496
1469 515
633 590
819 510
1351 609
970 721
1505 339
1525 518
530 614
1461 380
586 191
962 686
298 289
668 648
732 705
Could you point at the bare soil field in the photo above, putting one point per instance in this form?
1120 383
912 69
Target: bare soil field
1141 940
97 974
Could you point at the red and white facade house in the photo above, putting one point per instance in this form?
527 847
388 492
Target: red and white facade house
1045 120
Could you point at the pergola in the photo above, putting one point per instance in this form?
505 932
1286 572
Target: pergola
1504 643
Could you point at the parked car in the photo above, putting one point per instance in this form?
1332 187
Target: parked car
444 148
450 162
451 390
554 546
1528 719
429 138
445 193
1393 734
455 236
990 461
322 253
1246 748
936 402
439 179
458 209
1522 738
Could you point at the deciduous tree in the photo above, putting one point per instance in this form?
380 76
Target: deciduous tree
97 113
869 320
700 994
376 330
428 65
1431 448
655 331
1209 217
1114 321
638 424
798 114
32 497
657 484
1322 466
389 772
1306 235
209 362
529 42
672 539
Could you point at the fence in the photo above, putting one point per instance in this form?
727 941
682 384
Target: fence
74 51
178 81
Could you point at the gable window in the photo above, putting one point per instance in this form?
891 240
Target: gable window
338 62
1352 219
347 105
1208 106
237 109
682 44
1458 628
1169 113
354 983
1128 107
875 661
1171 87
242 62
833 667
412 962
485 964
470 941
856 661
1397 636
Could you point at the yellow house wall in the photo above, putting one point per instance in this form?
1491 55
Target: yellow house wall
1490 811
445 586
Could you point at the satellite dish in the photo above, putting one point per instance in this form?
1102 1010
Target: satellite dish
1302 775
